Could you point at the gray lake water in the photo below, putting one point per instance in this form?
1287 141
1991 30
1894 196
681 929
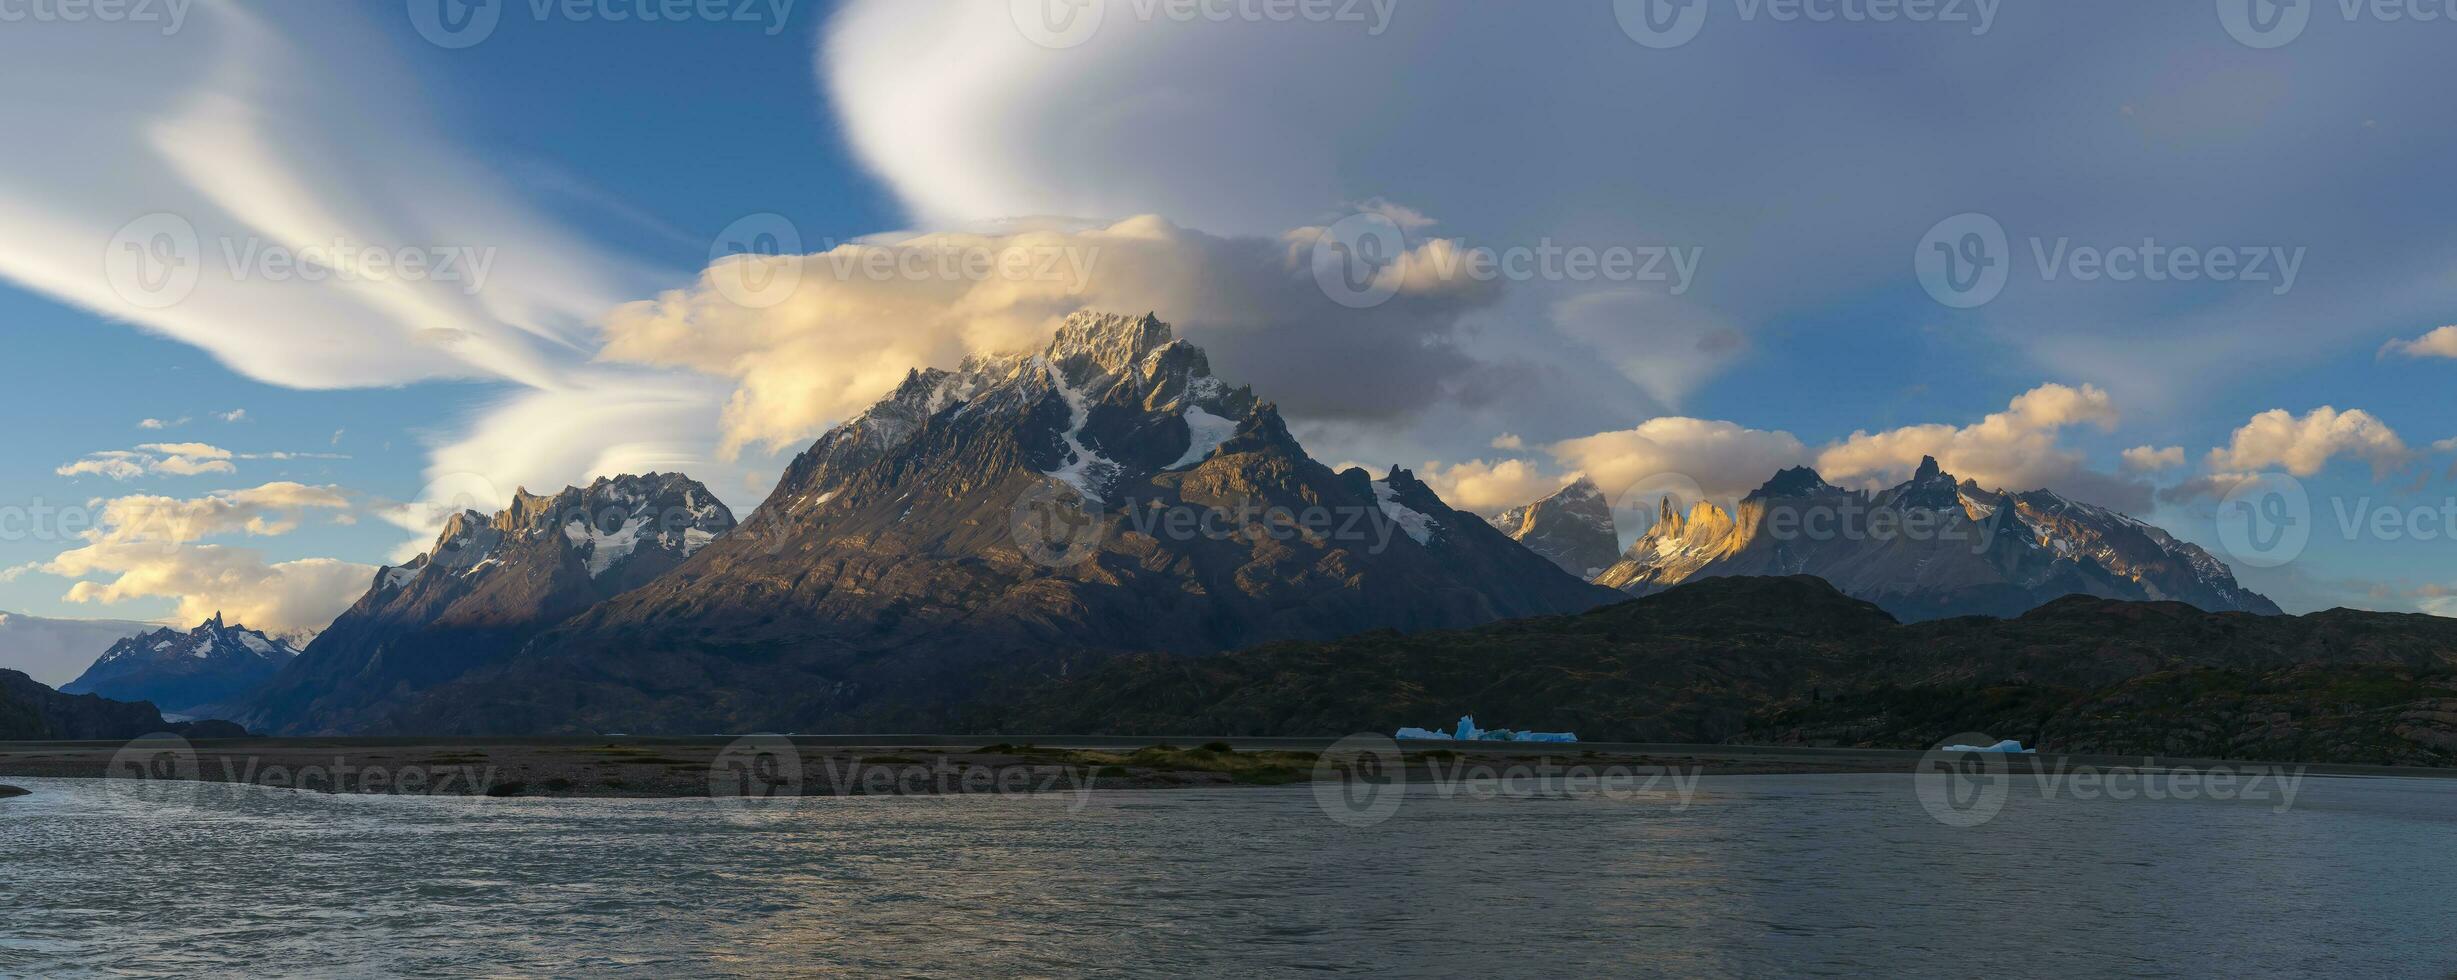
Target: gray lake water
1753 876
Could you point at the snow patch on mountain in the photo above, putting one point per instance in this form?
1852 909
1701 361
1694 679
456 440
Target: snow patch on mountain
1207 431
1418 526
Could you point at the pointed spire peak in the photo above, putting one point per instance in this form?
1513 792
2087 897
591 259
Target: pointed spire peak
1929 470
1797 481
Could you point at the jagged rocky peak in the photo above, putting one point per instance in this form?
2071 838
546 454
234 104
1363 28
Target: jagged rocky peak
606 523
1798 481
184 671
1572 527
1972 550
1109 398
211 639
1931 487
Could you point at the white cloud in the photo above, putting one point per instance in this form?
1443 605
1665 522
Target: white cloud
161 423
173 459
117 466
859 316
1723 459
1509 441
234 415
2150 459
191 466
2016 449
2438 343
199 450
1486 488
2304 446
253 134
147 546
271 508
237 582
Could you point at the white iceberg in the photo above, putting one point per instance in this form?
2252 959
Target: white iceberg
2008 746
1468 732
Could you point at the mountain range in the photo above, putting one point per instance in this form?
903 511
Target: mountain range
191 673
1929 548
489 584
1012 520
1049 519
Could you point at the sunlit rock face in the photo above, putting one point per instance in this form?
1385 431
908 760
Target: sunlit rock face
1007 521
1929 548
1572 528
485 588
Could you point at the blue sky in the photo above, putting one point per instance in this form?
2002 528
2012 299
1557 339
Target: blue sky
1802 163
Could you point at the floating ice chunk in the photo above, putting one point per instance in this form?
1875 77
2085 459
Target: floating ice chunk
2008 746
1468 732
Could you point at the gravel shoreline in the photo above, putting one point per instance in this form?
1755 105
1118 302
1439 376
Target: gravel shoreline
662 768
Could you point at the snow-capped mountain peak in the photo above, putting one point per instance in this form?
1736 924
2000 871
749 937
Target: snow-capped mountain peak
181 671
1572 527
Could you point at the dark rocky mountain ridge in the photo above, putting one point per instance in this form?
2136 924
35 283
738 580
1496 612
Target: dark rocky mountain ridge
30 711
191 673
1795 661
1019 517
486 587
